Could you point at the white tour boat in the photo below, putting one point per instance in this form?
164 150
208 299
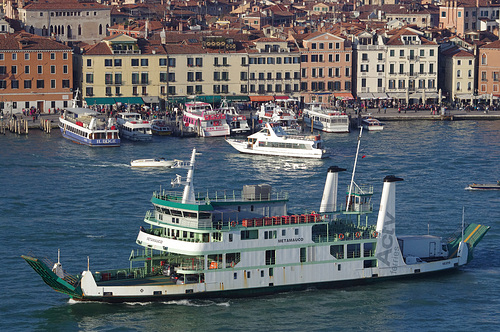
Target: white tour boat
237 122
204 120
274 141
318 117
156 162
133 127
371 124
274 113
160 127
246 244
88 127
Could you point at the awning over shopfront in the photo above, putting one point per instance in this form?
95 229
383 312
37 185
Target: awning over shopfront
129 100
380 95
397 95
261 98
151 100
365 95
237 98
343 95
100 101
464 96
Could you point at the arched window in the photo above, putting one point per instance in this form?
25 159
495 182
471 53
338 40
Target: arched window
44 31
100 29
107 27
483 59
68 30
79 30
51 30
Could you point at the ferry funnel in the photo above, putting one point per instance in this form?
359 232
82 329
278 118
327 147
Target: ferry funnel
388 252
329 200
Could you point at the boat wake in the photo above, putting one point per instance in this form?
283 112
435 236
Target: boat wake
197 303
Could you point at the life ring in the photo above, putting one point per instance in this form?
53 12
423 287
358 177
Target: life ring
232 264
233 223
341 236
375 234
357 235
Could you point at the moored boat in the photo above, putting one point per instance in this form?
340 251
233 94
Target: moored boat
323 119
272 140
133 127
271 112
160 127
237 122
484 186
206 122
88 127
246 244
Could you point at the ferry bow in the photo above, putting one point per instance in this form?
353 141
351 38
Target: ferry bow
246 244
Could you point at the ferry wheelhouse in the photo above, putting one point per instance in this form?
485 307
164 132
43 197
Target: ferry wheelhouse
246 243
200 117
133 127
272 140
88 127
318 117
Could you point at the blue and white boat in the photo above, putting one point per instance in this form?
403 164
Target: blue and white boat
85 126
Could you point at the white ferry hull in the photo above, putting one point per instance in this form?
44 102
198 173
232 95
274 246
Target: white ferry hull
245 147
135 136
339 129
89 142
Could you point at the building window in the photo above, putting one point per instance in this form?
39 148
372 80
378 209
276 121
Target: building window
65 56
52 84
26 56
40 56
144 62
134 62
89 78
52 69
52 56
27 84
14 84
40 84
39 69
14 56
118 62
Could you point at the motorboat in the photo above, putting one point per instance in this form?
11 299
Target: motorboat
486 186
206 122
133 127
160 127
272 140
319 117
156 162
371 124
274 113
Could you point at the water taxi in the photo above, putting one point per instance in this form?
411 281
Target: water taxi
371 124
272 140
156 162
245 243
204 120
484 186
133 127
317 117
160 127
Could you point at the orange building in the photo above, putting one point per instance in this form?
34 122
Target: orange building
489 70
34 72
326 67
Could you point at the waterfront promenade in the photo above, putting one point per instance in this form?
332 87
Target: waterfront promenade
391 114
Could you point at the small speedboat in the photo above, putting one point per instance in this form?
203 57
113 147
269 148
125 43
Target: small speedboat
372 124
157 162
484 186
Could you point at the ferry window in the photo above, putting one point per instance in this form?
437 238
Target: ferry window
283 232
250 234
230 237
303 253
232 258
271 272
184 234
262 273
251 208
191 215
270 257
339 267
353 250
296 231
239 208
235 275
176 213
337 251
248 274
369 249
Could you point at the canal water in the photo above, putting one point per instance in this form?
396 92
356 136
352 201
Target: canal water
88 202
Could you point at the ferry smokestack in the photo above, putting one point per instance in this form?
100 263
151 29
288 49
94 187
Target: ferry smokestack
329 200
387 211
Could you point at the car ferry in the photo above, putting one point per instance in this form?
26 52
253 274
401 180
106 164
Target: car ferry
272 140
317 117
246 244
133 127
204 120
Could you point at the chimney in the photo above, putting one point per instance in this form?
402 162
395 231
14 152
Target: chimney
329 200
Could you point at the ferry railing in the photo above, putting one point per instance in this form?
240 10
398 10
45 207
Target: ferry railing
217 196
